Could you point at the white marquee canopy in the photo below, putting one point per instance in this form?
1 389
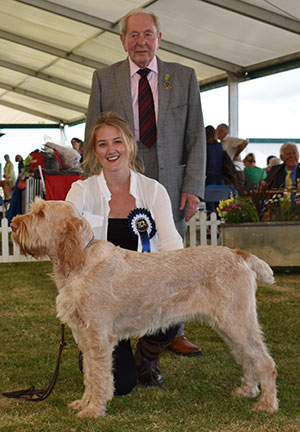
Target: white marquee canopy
49 49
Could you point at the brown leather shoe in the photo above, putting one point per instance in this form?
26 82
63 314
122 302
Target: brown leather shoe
180 345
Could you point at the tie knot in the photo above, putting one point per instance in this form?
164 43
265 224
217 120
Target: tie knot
289 171
143 72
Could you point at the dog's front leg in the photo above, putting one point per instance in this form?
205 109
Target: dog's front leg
83 402
98 379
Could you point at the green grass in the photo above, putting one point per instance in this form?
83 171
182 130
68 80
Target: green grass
198 390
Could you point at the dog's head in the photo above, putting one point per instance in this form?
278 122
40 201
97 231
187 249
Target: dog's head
54 229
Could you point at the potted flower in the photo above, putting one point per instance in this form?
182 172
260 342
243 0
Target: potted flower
238 209
285 207
245 225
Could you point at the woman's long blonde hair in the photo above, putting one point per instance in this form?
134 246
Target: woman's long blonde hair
91 164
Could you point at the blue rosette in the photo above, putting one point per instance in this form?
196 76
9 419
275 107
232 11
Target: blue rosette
141 224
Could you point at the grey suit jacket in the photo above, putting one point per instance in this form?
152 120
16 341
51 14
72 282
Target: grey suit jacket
181 142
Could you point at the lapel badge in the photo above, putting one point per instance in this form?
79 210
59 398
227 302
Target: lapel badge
167 83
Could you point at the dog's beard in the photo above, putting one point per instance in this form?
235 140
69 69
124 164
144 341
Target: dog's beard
23 238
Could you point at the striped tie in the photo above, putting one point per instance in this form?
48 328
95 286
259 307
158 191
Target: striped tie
288 179
146 110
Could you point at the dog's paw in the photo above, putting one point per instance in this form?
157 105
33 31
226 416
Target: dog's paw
76 405
263 406
246 391
91 412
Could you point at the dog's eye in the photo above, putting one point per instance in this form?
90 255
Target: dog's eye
41 213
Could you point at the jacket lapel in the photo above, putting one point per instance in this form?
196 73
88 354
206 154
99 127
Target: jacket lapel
298 174
164 91
124 91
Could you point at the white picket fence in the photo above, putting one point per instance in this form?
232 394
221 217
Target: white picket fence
10 252
200 231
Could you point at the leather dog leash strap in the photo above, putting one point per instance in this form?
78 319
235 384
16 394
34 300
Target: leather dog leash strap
33 395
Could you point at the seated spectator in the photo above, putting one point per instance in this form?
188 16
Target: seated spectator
287 174
253 174
9 178
234 146
267 168
274 161
238 163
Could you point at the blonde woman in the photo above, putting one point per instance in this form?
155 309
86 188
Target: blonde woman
253 174
115 189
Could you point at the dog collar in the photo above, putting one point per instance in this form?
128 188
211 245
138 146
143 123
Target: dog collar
89 243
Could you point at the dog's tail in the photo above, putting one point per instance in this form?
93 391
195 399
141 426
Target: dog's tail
263 271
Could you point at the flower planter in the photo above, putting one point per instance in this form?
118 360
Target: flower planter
277 243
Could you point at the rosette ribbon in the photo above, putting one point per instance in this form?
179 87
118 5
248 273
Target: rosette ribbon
141 224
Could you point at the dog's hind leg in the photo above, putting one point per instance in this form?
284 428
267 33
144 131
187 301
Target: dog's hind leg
258 366
245 340
250 381
99 380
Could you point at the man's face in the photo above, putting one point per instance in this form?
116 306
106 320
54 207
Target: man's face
220 133
290 156
141 40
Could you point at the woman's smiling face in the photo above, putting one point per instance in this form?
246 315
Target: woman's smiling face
110 149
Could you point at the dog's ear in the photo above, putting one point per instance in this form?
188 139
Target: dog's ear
70 249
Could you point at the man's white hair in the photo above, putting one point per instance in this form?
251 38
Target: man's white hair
288 144
124 20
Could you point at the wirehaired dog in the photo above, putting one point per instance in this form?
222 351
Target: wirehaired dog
107 294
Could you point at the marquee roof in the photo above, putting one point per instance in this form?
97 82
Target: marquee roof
49 49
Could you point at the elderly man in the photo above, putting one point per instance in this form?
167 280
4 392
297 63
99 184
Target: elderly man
286 175
169 131
176 157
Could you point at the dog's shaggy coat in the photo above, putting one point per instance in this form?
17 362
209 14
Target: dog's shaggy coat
107 294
